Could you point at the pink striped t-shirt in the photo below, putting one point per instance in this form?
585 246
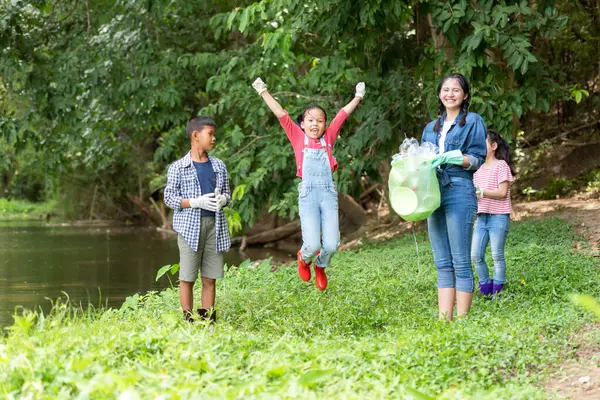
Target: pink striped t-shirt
490 177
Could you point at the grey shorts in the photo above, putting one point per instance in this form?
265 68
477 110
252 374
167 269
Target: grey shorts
206 258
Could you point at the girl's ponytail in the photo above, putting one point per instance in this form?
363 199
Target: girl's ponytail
502 150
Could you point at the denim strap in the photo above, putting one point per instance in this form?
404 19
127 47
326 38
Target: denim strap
323 143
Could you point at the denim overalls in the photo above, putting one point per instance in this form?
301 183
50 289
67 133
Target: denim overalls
318 206
451 225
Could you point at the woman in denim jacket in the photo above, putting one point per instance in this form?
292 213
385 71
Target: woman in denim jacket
460 137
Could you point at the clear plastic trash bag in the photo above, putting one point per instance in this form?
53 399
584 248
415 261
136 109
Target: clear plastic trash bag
413 184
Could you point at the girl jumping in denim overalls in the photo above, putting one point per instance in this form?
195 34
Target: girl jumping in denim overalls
460 136
317 201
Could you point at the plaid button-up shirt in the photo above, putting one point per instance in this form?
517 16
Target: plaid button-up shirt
183 184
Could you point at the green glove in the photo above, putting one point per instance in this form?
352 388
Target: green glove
450 157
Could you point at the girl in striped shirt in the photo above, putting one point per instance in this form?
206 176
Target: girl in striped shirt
492 185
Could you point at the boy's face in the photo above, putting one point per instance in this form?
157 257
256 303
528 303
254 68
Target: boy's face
204 139
314 123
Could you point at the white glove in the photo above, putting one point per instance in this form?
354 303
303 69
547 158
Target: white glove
360 90
479 192
259 86
221 199
206 202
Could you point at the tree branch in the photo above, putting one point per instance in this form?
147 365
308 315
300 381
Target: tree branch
70 12
254 139
87 8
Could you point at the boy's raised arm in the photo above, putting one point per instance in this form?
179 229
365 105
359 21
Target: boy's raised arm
360 93
261 89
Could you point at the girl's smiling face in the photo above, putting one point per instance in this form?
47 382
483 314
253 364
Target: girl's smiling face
314 123
452 94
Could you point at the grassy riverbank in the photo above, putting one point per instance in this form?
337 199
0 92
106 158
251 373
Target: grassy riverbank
25 210
372 334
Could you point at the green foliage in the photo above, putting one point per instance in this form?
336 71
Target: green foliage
578 94
234 221
373 334
165 269
132 302
556 188
495 41
562 187
100 91
593 182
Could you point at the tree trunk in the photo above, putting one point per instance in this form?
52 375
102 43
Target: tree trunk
93 202
440 43
163 217
143 208
384 171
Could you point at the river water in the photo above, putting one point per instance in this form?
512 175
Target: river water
97 265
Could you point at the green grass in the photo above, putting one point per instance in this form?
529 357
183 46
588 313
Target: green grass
24 210
373 334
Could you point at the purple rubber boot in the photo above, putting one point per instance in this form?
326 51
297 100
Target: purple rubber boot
486 288
497 288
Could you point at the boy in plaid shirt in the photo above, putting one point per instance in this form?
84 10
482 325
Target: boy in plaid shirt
197 190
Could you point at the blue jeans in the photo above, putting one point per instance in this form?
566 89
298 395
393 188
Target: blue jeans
450 232
492 228
318 209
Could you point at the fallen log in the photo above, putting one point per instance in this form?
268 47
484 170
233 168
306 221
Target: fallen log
275 234
352 210
370 190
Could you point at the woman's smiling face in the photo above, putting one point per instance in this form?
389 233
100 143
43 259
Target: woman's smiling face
452 94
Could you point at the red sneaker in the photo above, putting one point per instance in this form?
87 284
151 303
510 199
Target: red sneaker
320 278
303 268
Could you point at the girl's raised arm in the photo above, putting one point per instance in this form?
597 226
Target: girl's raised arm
360 93
261 89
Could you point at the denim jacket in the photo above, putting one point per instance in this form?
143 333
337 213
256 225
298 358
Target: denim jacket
469 139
